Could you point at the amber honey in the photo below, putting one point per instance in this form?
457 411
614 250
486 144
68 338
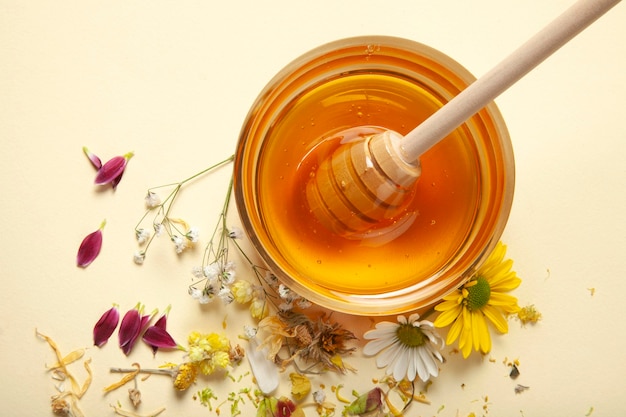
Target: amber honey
451 216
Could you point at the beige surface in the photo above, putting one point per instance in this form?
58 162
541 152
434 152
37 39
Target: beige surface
173 81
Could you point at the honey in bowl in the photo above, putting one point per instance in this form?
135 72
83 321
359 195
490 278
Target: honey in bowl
337 95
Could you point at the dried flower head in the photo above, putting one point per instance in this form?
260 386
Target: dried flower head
185 376
316 342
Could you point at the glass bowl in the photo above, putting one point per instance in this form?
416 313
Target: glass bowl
337 93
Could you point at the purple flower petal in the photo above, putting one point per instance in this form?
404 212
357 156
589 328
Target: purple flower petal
161 323
90 247
111 172
133 325
129 329
105 327
159 338
95 161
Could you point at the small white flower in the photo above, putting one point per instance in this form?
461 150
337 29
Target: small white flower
196 271
211 271
226 295
158 229
407 348
142 235
248 331
235 233
193 234
319 397
152 200
139 257
284 292
228 277
271 279
199 295
179 243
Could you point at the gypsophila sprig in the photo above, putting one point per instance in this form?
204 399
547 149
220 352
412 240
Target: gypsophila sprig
182 235
216 275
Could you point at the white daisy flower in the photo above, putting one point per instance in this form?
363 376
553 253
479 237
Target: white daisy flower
408 348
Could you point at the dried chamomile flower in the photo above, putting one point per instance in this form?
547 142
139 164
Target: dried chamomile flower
528 314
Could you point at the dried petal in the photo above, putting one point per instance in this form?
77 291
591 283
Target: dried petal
111 172
105 327
68 359
265 371
95 161
90 247
125 379
159 338
300 386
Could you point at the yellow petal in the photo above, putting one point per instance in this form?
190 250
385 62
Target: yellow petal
447 317
505 302
476 317
455 331
481 330
496 318
465 338
506 282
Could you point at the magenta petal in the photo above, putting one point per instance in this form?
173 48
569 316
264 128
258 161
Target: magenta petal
90 247
110 170
159 338
161 322
129 330
95 161
105 327
116 181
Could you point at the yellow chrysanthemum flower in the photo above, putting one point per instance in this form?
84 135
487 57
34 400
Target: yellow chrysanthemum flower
482 298
218 342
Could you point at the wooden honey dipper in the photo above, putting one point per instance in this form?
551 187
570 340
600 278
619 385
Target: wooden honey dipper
367 183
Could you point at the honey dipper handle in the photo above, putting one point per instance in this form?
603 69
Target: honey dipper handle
481 92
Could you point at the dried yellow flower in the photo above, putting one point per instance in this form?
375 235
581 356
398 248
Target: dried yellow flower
187 374
529 314
300 386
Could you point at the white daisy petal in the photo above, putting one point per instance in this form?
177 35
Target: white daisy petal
401 365
376 345
413 366
388 356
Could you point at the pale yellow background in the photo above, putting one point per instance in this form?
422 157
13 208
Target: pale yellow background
173 80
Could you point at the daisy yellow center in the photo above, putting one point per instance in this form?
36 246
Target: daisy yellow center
410 335
478 294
